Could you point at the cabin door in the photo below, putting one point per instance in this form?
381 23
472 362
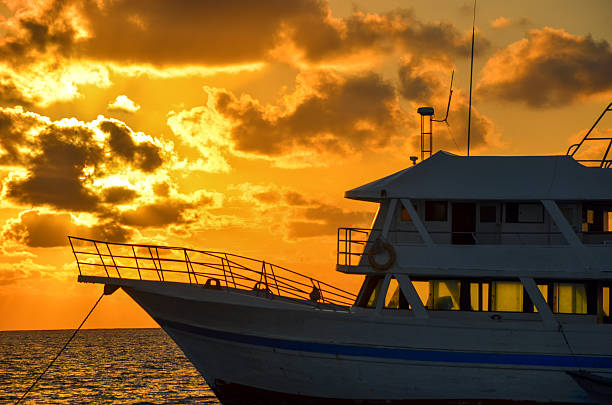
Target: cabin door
463 223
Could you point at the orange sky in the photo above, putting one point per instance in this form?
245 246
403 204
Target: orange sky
238 126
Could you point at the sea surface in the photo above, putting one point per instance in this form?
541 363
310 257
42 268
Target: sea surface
100 366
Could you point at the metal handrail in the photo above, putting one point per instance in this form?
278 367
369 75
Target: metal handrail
604 162
353 242
171 263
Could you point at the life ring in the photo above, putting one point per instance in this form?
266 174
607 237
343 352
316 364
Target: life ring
379 247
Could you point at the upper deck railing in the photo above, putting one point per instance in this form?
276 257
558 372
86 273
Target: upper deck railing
205 268
605 161
354 242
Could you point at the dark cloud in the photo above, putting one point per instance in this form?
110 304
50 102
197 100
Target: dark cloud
156 215
35 229
295 198
13 126
163 213
333 38
119 195
146 156
269 197
236 31
548 68
414 85
157 31
10 94
324 219
338 113
55 170
63 158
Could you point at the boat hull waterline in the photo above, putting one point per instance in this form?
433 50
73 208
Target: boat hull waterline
248 346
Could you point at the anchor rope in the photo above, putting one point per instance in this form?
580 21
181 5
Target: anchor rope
59 353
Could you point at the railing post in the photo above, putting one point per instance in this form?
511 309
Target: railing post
224 272
348 237
187 265
274 278
101 258
136 260
161 269
337 247
113 259
75 255
154 264
229 267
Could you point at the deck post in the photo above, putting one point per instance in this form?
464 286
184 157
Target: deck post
418 223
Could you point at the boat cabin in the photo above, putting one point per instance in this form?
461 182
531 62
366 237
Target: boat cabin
502 235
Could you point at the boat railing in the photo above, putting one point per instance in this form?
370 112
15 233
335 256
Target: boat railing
210 269
353 242
605 161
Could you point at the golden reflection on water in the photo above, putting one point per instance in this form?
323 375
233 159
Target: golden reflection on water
112 366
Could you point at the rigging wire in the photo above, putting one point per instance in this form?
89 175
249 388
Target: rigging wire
471 73
59 353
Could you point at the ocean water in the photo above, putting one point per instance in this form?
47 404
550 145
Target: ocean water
110 366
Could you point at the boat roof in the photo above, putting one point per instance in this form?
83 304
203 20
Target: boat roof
448 176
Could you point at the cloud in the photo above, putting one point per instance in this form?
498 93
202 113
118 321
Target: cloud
548 68
328 113
295 198
123 103
35 229
152 31
171 210
144 155
119 195
331 38
63 164
13 273
415 83
323 219
504 22
48 81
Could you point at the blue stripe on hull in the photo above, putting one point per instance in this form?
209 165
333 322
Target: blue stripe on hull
399 354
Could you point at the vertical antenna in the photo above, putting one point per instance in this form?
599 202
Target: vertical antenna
471 72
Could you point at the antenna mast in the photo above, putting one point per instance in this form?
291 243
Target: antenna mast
471 72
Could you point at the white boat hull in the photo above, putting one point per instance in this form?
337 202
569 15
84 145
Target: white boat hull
276 350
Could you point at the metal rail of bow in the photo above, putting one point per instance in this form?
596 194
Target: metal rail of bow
206 268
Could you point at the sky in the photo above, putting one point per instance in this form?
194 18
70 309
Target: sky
238 125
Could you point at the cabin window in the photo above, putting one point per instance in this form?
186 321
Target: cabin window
571 298
529 213
436 211
370 291
488 213
395 297
507 296
422 288
479 296
406 215
445 295
597 218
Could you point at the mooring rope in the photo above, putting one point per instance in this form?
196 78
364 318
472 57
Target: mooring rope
60 352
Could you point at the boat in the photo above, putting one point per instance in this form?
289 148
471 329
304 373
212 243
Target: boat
486 280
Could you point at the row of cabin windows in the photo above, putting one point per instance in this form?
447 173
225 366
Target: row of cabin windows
595 218
496 296
437 211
